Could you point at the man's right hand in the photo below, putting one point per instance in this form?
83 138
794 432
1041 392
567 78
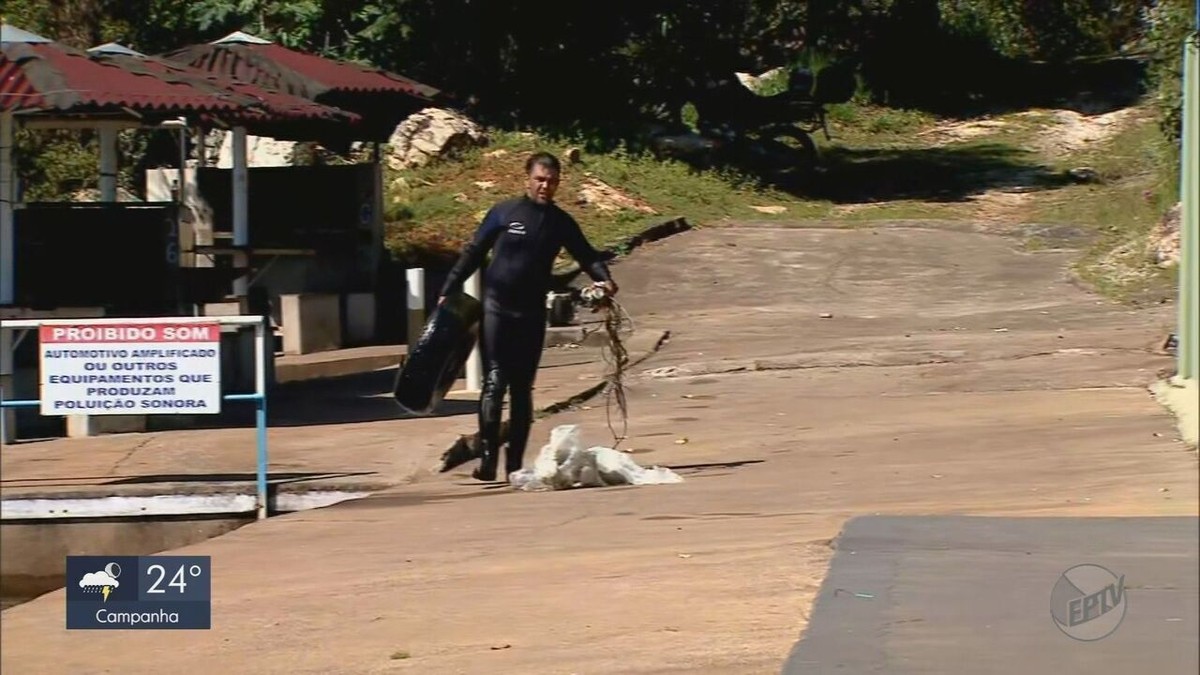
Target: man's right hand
441 299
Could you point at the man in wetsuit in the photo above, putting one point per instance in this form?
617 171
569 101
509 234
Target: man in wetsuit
524 235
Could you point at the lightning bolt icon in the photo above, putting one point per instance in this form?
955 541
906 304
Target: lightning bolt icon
105 591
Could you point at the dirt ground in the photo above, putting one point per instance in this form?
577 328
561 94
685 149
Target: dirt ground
812 375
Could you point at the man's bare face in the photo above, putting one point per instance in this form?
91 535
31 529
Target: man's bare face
542 185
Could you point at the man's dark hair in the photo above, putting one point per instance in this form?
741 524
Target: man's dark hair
542 159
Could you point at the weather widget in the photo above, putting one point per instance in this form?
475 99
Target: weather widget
139 592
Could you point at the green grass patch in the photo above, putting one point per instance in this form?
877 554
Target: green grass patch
855 124
1136 186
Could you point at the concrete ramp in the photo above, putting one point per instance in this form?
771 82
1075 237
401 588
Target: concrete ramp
981 595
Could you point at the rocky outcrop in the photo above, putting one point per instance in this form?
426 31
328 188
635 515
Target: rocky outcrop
1164 238
595 192
432 133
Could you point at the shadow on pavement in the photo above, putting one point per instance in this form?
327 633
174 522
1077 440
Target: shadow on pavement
697 468
358 398
938 174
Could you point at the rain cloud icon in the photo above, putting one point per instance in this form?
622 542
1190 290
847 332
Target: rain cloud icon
103 581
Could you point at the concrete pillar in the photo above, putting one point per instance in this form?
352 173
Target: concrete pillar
415 277
475 361
1188 350
82 426
241 208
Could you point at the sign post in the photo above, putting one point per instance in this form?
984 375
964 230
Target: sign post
140 366
130 369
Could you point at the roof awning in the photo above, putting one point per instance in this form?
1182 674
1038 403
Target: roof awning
383 98
275 114
38 75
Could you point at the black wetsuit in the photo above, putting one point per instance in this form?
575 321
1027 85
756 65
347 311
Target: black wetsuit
524 238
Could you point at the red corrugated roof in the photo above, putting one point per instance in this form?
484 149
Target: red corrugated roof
272 104
295 72
52 76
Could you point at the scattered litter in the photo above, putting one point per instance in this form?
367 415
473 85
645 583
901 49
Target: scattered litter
999 330
857 595
681 441
498 648
685 555
563 464
495 153
1164 489
770 209
935 475
665 371
826 315
485 184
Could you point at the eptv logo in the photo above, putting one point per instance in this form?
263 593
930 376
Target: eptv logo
1088 602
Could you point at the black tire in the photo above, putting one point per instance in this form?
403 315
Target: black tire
435 361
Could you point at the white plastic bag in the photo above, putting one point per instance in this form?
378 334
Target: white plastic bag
563 464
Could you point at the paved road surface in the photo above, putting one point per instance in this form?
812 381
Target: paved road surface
955 376
955 594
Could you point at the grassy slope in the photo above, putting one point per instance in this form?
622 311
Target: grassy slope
881 164
435 209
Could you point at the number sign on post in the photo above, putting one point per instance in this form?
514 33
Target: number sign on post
135 369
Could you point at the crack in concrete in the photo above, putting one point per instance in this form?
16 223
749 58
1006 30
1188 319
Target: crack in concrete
113 471
704 370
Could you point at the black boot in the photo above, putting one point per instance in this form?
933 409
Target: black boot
518 427
488 458
513 460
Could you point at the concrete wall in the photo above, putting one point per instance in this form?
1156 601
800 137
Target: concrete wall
311 322
33 553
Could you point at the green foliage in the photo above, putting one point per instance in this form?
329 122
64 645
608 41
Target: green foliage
856 119
1168 24
595 75
54 164
1055 31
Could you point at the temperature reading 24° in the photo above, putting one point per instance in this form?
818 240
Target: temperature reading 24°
178 578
